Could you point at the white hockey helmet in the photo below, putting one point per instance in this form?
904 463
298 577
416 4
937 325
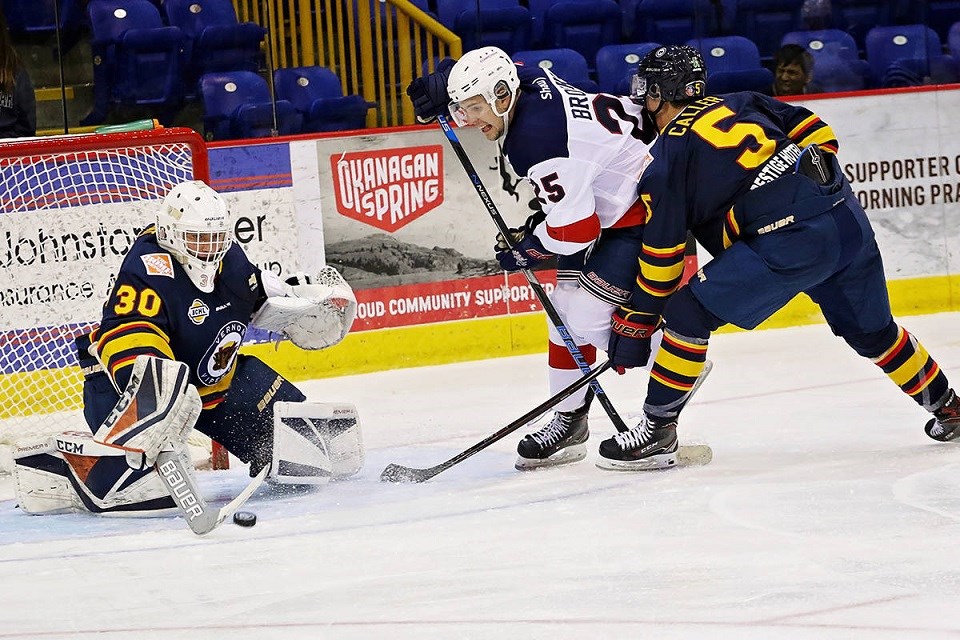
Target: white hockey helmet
193 224
487 72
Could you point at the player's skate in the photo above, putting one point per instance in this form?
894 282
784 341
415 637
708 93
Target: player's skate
652 444
561 441
945 425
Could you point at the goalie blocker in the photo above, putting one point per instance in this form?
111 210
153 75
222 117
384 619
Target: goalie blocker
264 421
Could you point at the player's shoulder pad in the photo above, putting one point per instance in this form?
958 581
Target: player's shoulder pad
538 129
147 258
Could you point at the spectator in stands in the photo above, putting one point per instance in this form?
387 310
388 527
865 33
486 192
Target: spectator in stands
792 71
18 105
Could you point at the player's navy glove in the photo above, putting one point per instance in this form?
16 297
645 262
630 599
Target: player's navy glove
519 233
429 93
525 254
630 339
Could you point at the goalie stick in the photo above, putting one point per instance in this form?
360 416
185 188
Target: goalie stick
688 455
182 486
531 279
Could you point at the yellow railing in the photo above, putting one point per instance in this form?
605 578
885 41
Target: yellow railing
376 48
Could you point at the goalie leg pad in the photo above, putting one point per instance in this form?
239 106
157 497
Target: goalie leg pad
299 453
71 472
158 407
337 425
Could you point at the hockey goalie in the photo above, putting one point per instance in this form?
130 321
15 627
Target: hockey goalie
165 360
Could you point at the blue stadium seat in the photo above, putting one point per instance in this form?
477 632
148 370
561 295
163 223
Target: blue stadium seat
759 80
137 60
216 40
448 11
40 16
823 42
508 27
565 63
953 42
237 104
836 63
538 15
727 53
907 55
733 64
582 26
765 22
672 21
317 95
939 15
833 73
617 63
857 17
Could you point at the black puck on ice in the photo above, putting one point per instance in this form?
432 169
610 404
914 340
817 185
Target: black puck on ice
244 519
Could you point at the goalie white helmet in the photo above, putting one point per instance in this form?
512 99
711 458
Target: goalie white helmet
193 224
487 72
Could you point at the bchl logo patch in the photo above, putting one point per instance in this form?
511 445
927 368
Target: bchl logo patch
158 264
218 360
198 311
390 188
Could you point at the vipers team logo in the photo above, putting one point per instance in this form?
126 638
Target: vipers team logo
218 359
388 189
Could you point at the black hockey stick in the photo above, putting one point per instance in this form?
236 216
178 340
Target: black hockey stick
531 279
400 473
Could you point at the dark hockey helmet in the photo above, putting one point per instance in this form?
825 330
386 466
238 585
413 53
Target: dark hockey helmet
674 73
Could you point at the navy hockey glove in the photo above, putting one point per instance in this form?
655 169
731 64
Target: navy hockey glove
519 233
524 255
630 339
429 93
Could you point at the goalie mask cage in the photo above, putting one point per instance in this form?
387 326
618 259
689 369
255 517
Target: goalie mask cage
70 207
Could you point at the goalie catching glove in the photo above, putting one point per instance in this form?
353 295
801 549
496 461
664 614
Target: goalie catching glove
630 338
315 312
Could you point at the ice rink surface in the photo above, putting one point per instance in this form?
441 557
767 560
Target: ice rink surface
826 513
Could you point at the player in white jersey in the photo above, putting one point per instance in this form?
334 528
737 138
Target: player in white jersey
583 153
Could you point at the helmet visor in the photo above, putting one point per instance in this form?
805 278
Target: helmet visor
638 87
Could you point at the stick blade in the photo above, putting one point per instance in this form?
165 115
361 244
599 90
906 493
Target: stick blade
400 473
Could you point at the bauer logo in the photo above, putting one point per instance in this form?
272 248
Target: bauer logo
158 264
391 188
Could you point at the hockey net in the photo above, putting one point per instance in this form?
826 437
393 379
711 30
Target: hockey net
70 207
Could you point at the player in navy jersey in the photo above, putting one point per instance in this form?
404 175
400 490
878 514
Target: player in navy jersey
757 182
165 360
582 153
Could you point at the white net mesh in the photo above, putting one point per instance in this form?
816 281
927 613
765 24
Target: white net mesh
69 209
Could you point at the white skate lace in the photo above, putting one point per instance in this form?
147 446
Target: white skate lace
552 433
635 437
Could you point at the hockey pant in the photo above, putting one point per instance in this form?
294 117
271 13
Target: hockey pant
589 288
834 259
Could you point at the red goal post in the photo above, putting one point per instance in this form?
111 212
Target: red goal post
70 207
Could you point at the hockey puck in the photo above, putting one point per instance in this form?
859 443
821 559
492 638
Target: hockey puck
244 518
